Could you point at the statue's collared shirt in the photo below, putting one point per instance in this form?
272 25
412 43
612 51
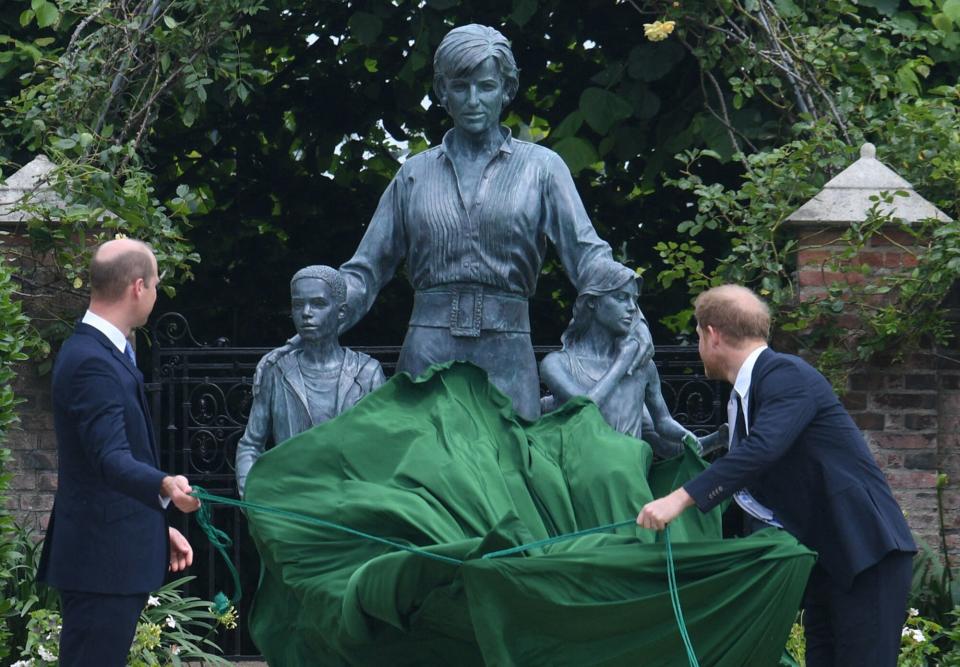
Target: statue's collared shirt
525 197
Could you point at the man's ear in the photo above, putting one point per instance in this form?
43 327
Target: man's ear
713 335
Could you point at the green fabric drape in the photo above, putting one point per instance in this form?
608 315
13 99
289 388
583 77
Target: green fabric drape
443 463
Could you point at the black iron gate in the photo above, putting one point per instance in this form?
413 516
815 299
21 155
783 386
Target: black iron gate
201 396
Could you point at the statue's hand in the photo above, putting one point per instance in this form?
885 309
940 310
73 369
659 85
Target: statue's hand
641 334
627 349
719 439
274 355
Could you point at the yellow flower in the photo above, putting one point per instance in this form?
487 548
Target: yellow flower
228 619
77 283
658 30
121 235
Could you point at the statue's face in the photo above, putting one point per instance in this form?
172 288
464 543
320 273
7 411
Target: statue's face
615 310
316 314
475 100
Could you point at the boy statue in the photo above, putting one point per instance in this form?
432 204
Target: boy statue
314 382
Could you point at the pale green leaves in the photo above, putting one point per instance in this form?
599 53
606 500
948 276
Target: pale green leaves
951 8
45 13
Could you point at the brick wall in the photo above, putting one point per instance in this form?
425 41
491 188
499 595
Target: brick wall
33 443
909 409
34 449
948 452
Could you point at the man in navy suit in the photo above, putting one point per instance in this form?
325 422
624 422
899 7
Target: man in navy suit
798 462
108 544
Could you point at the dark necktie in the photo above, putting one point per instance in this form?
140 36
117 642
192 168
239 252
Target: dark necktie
740 428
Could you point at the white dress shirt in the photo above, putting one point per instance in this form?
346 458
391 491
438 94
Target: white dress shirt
741 388
107 329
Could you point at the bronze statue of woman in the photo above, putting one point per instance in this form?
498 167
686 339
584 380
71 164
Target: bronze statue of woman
471 218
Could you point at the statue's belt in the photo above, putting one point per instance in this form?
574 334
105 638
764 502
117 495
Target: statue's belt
466 310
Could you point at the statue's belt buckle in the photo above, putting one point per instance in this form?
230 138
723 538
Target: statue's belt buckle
466 312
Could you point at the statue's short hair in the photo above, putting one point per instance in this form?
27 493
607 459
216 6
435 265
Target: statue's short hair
464 48
327 274
735 311
109 278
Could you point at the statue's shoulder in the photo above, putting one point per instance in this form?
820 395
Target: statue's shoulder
269 366
553 362
531 151
362 362
419 160
364 369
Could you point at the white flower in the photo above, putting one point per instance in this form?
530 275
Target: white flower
46 655
916 634
174 649
22 663
170 623
913 612
153 601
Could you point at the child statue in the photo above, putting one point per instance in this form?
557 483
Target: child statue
600 350
316 381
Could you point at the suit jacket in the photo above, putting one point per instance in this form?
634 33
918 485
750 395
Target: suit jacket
806 460
280 410
107 533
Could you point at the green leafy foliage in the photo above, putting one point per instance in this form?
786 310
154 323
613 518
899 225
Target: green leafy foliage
841 76
172 630
99 76
21 594
18 342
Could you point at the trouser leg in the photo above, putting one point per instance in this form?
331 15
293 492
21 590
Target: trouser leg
817 629
859 627
98 629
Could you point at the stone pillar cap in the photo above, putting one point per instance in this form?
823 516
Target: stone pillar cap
30 180
846 197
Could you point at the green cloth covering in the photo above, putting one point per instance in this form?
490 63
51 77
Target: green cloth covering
442 463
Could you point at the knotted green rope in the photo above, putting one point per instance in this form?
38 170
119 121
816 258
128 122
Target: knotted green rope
221 541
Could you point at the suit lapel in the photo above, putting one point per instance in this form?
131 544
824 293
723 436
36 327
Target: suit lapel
125 362
754 403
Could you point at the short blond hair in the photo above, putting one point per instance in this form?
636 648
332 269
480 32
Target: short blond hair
735 311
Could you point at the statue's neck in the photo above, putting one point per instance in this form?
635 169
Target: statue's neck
322 353
470 146
598 342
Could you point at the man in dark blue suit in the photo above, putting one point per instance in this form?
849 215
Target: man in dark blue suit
108 544
798 462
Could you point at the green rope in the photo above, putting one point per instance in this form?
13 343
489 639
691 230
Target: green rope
675 601
559 538
221 541
208 528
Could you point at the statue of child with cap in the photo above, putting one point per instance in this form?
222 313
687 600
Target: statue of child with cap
599 360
